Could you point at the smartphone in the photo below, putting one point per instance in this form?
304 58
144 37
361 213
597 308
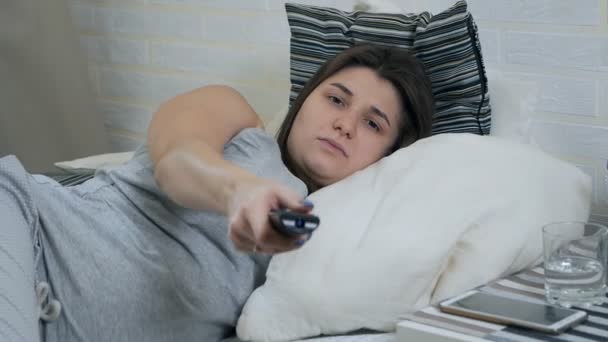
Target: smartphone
484 306
293 223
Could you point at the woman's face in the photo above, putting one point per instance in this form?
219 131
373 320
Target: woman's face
347 123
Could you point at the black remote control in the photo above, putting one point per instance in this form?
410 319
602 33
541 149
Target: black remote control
293 223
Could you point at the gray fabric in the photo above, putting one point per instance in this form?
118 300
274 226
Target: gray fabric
18 308
127 264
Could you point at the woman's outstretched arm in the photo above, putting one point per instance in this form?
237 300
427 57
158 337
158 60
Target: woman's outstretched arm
186 139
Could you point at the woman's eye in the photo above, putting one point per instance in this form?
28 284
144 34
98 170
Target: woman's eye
336 100
373 125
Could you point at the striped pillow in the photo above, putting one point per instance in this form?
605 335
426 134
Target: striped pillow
447 43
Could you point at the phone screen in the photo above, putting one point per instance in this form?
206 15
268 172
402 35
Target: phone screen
525 311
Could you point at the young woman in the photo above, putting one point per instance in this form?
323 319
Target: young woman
169 246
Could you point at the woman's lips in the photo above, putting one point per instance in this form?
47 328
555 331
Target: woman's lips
334 144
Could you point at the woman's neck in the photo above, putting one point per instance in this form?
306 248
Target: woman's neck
299 172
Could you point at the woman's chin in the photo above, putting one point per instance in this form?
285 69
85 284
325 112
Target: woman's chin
324 175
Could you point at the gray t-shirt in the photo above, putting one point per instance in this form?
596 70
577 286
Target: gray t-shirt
128 264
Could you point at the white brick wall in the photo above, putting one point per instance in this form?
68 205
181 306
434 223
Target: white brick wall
142 52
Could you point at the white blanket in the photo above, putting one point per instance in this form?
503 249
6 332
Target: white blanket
444 215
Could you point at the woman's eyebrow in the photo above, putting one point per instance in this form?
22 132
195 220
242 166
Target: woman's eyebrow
343 88
381 114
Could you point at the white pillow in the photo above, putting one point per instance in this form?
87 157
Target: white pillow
450 212
95 162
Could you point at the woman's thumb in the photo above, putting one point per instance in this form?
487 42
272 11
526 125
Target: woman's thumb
295 202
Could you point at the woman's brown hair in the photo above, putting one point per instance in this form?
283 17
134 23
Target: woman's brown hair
403 70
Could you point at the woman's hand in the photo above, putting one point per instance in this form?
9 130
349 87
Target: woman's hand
249 225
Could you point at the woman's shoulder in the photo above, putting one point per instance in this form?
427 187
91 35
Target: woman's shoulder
251 145
257 136
248 142
257 151
252 148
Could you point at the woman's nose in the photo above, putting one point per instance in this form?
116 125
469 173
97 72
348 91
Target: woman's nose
346 125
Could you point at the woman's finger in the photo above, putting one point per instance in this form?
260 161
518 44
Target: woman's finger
287 198
253 227
264 235
241 243
271 239
240 233
243 240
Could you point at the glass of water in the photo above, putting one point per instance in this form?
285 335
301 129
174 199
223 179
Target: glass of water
575 260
